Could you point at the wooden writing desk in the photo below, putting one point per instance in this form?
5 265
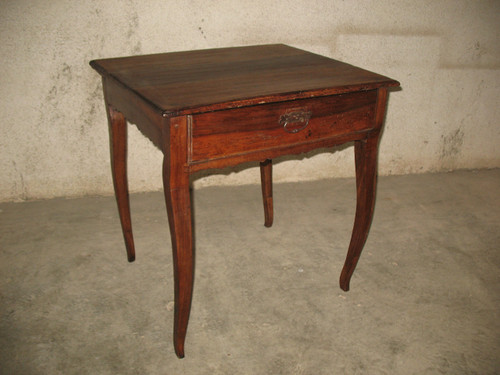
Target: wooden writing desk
221 107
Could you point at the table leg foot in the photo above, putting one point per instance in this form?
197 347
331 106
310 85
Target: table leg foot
118 145
366 178
266 177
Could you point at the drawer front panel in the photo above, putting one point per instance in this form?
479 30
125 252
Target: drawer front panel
221 134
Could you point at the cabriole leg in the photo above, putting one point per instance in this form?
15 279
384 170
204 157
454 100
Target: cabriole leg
118 147
366 178
178 201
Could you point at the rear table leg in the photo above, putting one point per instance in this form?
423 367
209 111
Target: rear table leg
266 177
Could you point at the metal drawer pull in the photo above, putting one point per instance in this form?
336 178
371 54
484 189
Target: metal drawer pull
295 120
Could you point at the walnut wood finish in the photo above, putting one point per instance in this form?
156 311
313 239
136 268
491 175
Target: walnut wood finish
118 148
365 154
178 200
201 81
222 107
366 158
219 135
266 177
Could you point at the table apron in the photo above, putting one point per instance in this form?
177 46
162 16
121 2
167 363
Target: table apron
136 110
272 153
266 131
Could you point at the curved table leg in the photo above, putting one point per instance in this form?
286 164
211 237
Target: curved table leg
178 202
118 145
266 177
366 178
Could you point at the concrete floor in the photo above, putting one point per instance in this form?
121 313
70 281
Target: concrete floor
425 298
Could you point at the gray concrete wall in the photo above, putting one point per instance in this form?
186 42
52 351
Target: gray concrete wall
53 133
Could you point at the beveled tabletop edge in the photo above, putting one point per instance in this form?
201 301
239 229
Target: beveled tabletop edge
248 102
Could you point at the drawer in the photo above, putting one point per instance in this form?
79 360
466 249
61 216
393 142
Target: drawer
240 131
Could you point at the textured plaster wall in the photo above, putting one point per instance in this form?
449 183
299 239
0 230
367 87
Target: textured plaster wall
53 131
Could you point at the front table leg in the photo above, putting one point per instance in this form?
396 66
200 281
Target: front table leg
178 201
366 179
118 146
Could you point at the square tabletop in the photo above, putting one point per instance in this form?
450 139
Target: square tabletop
206 80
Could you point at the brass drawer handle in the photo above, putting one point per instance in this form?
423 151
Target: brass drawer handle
295 120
